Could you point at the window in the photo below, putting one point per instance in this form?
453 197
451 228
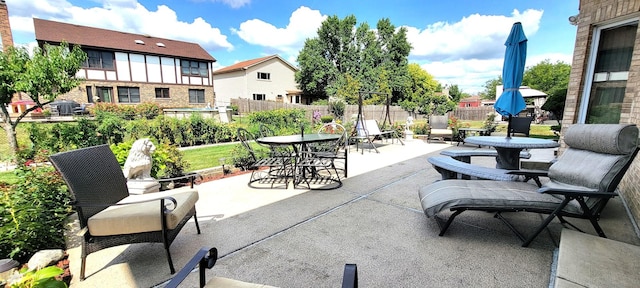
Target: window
99 60
89 94
194 68
104 94
128 94
162 92
607 72
295 99
264 76
260 97
196 95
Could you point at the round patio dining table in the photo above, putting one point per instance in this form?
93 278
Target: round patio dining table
299 143
509 148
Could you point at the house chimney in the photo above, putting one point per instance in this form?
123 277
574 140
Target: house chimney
5 28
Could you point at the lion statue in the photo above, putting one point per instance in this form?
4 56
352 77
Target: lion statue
139 161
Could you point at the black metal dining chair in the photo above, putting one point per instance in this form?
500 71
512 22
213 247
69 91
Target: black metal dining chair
279 165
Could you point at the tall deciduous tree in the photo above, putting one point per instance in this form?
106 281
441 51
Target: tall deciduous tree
420 88
489 92
547 77
552 79
342 49
50 72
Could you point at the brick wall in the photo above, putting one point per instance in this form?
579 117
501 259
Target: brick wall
5 28
179 94
598 12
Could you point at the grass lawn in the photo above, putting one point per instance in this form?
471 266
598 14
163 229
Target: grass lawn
209 156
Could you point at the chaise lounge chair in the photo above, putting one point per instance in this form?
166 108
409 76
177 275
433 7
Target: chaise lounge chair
573 190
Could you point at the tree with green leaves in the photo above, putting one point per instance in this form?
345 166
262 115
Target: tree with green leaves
420 87
547 77
342 49
489 92
552 79
50 72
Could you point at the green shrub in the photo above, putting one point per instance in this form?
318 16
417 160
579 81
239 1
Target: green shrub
167 159
490 123
337 108
33 212
326 119
241 158
282 121
148 110
420 128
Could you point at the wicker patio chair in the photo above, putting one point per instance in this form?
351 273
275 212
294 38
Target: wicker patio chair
108 215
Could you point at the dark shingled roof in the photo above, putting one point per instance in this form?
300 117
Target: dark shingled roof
89 37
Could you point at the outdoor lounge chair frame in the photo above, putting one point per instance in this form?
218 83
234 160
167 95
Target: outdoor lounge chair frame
206 258
597 198
96 182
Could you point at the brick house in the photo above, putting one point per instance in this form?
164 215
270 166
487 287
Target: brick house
269 78
604 85
6 38
128 68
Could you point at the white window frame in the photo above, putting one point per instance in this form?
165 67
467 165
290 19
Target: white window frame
591 64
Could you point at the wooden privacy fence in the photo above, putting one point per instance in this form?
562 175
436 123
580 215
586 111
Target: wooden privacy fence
377 112
473 113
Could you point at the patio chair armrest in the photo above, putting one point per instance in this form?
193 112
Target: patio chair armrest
530 173
575 191
173 201
205 259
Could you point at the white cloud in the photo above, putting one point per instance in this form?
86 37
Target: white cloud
303 24
121 15
470 52
474 37
469 75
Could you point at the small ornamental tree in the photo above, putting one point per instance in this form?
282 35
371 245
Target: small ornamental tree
49 73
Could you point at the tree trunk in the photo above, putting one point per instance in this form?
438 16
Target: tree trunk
11 136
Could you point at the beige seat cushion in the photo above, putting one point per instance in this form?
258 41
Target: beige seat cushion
441 132
141 217
231 283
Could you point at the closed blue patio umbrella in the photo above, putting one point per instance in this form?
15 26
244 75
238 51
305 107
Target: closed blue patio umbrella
511 102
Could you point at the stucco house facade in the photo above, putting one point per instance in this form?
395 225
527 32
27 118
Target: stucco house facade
126 68
269 78
604 84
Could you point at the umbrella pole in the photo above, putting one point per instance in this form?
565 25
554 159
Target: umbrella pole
509 127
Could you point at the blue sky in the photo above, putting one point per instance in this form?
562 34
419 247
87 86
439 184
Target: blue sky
458 41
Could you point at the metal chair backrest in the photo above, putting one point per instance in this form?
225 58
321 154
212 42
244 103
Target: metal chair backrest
335 128
245 137
93 176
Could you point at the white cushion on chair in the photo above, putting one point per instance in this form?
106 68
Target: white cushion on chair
142 217
222 282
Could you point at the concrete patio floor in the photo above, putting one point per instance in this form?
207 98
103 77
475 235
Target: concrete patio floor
300 238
